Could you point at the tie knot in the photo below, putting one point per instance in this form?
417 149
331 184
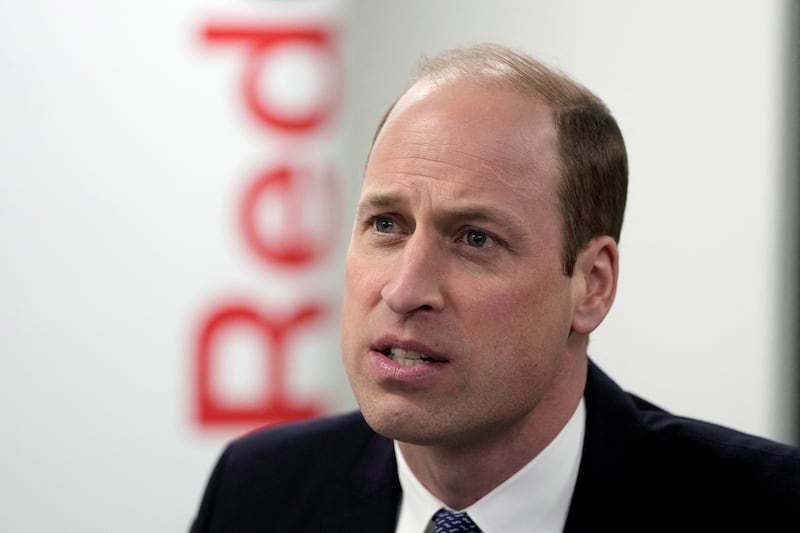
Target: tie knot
450 522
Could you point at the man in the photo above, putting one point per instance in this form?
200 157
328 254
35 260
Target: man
483 254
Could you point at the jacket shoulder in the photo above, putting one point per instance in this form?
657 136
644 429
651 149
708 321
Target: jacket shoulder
332 433
640 461
312 452
722 453
299 476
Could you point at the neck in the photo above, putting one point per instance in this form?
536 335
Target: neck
461 473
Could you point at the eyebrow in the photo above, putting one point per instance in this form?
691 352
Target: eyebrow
471 212
483 214
377 201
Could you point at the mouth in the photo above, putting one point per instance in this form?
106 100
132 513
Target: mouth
408 357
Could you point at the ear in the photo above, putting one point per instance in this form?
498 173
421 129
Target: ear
594 283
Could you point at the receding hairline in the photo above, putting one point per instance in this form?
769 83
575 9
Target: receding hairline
501 67
493 64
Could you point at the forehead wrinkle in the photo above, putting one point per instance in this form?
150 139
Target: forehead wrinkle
505 162
392 189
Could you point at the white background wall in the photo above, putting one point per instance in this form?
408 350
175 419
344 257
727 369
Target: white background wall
120 150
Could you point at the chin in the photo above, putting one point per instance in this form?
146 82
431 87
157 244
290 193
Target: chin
394 419
407 425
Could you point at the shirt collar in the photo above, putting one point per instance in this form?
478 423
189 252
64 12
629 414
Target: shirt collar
535 498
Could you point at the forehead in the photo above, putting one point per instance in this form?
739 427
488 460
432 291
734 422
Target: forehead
469 137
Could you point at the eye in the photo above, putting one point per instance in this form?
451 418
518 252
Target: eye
383 225
476 239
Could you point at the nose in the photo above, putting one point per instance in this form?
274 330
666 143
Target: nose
415 277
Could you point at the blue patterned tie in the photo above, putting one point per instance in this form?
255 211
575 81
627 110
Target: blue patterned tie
449 522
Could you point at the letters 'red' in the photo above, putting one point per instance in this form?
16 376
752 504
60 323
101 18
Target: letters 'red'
261 40
294 188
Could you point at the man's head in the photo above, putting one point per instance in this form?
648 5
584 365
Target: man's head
466 309
592 160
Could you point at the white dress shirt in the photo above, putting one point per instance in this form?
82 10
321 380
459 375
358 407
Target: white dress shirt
536 498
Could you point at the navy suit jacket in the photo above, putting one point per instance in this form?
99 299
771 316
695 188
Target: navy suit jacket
642 470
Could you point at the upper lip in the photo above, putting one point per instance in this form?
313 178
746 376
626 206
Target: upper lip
387 342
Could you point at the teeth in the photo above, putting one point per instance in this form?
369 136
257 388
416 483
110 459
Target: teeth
406 354
407 357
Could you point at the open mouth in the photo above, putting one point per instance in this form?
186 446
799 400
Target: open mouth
407 357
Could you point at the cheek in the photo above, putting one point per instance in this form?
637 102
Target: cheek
524 319
361 281
520 341
361 292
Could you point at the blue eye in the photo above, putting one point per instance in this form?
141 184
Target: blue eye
383 225
476 239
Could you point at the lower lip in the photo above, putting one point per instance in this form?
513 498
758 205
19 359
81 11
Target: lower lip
387 370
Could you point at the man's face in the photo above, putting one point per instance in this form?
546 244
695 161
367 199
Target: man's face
456 311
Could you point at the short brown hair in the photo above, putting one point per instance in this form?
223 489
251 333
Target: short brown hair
592 157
